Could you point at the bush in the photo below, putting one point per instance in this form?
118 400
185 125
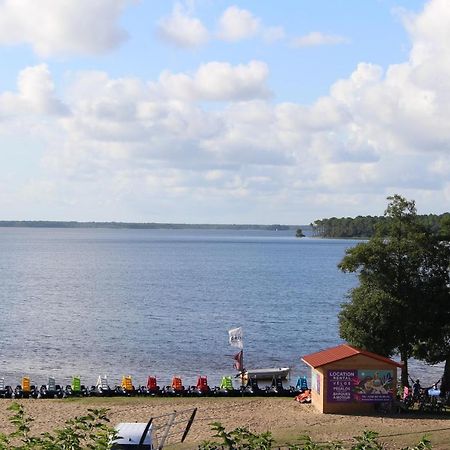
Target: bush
87 432
243 439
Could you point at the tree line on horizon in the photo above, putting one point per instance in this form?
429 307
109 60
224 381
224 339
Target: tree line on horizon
368 226
139 225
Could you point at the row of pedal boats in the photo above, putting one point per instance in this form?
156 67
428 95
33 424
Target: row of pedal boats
227 387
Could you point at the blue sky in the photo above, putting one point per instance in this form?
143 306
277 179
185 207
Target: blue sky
222 112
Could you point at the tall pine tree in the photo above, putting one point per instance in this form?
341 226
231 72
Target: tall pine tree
403 291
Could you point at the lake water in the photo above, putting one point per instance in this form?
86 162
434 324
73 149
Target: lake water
160 302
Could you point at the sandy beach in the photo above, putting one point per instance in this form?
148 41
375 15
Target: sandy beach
284 417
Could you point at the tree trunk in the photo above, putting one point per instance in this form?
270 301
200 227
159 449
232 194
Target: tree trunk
445 383
404 378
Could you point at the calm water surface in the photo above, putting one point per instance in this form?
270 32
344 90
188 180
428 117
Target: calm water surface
160 302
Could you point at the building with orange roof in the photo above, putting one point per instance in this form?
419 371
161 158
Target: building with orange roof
348 380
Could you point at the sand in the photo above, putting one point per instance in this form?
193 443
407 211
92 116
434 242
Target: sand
284 417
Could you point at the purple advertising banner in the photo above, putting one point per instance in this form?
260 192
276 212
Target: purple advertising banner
340 385
348 385
374 386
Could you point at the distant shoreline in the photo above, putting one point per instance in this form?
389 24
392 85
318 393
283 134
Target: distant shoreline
141 226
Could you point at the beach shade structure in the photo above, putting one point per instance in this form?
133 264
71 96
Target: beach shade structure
170 429
5 391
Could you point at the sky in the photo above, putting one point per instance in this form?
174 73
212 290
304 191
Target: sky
211 111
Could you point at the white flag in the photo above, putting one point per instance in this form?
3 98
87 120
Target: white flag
236 337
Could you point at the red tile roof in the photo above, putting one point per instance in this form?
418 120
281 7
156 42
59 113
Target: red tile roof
340 352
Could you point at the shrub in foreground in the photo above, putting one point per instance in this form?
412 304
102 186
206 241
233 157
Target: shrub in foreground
92 431
243 439
86 432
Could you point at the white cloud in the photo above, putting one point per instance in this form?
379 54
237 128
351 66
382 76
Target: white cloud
316 38
167 142
273 34
62 27
183 30
441 166
430 32
236 24
216 81
36 95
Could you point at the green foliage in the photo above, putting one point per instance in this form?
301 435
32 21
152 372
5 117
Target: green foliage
368 226
346 227
299 233
87 432
444 227
402 303
243 439
306 443
424 444
240 438
365 321
137 226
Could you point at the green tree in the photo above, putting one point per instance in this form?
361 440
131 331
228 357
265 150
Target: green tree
436 349
433 345
403 286
299 233
364 226
444 225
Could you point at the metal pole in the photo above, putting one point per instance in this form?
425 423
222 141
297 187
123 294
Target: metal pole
166 432
242 372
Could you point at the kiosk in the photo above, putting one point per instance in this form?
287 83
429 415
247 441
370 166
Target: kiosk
348 380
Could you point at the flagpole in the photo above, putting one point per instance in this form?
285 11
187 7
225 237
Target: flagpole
235 337
242 372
